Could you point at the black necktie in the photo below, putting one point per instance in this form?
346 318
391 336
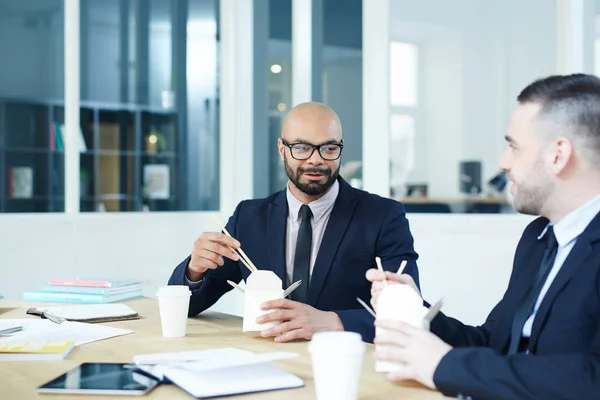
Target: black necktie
302 255
526 306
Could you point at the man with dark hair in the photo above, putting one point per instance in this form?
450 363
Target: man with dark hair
319 230
542 340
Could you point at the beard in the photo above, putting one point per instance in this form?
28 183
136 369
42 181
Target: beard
531 198
312 188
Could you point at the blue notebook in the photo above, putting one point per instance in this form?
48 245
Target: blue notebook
44 297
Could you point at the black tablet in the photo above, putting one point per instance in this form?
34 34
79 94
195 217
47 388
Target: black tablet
101 378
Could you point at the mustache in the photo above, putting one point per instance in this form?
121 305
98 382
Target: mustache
324 171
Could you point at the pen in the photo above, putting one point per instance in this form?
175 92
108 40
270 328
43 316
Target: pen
8 331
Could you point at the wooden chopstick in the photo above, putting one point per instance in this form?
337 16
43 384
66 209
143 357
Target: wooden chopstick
369 309
238 287
434 310
402 266
380 267
240 251
231 248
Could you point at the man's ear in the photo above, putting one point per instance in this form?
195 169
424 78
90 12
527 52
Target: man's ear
281 148
562 153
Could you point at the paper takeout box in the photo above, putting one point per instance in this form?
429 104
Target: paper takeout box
261 286
398 303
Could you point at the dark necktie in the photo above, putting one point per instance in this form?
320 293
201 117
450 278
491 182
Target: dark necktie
526 306
302 255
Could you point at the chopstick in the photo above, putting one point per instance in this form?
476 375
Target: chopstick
238 287
380 267
292 287
240 251
12 330
232 249
402 266
433 311
369 309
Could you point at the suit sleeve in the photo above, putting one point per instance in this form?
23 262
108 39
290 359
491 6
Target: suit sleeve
394 244
457 334
483 373
214 283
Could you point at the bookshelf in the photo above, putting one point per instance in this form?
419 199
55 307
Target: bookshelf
129 156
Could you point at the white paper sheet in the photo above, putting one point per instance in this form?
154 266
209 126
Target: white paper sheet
43 329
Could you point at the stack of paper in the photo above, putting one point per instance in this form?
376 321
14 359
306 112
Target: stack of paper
80 333
220 372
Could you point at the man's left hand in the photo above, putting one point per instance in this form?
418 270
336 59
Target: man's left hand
420 350
299 321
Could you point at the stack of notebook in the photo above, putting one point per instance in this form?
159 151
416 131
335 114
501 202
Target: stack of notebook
88 291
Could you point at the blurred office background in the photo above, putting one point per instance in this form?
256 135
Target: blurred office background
180 103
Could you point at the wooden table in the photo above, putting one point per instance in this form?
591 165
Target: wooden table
18 380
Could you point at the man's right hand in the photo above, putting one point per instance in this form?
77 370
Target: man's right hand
377 278
208 252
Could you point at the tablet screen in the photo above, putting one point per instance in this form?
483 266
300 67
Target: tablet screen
101 378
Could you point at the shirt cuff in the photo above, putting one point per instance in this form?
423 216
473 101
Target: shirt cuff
193 285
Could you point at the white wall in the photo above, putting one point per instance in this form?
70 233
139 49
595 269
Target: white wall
465 259
475 58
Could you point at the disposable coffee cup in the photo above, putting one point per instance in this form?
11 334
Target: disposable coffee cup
173 304
337 359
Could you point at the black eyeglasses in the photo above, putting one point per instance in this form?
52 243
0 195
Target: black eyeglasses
304 151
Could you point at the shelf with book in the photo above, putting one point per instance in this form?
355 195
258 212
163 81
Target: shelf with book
116 144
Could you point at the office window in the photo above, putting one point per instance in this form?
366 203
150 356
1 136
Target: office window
341 78
31 83
403 74
455 71
149 106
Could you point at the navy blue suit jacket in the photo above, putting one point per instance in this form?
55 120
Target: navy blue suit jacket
564 359
361 227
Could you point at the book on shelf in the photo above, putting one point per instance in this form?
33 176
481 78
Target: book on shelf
35 350
58 136
156 181
20 182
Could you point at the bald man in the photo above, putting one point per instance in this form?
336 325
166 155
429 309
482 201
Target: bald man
319 230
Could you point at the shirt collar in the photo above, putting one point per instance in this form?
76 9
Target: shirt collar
319 207
573 225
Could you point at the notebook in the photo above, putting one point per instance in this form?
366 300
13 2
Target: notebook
92 282
220 372
35 350
90 313
51 297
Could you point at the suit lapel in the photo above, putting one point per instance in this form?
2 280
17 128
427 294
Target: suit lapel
334 233
276 235
576 258
529 259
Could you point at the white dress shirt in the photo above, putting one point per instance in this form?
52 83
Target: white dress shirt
567 230
321 211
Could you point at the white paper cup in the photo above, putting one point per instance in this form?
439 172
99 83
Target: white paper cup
173 304
337 363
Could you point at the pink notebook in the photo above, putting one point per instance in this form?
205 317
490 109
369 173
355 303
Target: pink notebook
103 283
